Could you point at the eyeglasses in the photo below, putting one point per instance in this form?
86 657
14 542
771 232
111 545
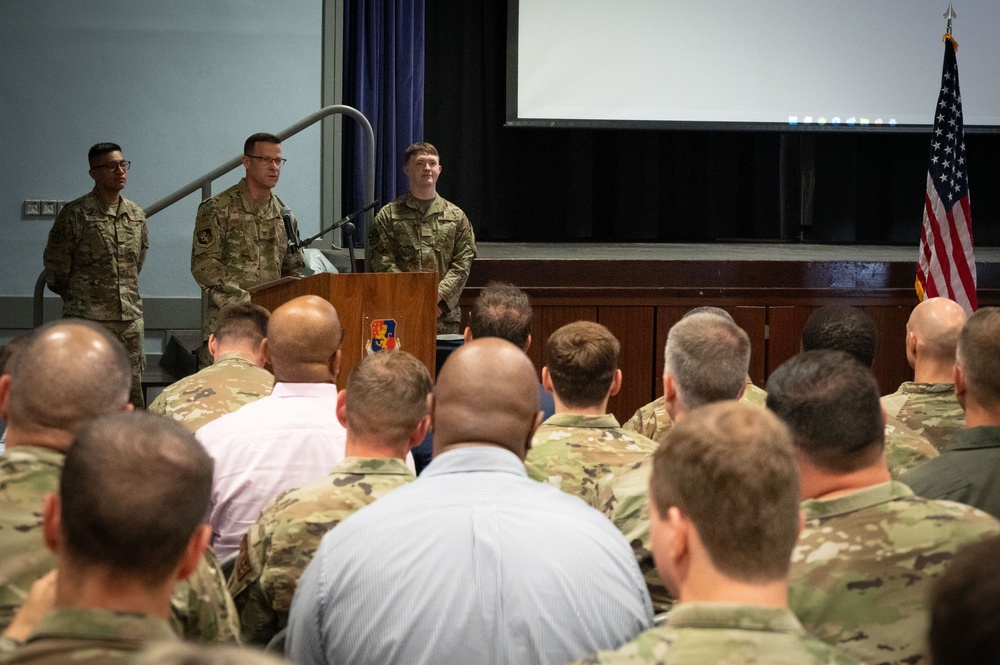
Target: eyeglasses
276 161
112 167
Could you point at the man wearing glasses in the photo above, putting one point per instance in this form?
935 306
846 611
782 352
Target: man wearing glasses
239 236
94 254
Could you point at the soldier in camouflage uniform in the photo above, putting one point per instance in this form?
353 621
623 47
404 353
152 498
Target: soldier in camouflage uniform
928 404
422 232
582 442
236 378
870 551
239 236
698 535
386 411
706 361
95 251
51 363
112 591
653 422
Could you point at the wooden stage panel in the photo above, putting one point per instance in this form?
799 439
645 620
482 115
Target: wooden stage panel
635 330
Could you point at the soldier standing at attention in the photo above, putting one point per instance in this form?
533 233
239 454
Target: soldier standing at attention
95 251
422 232
239 236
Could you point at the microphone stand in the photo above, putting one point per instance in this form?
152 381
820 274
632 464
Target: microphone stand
347 223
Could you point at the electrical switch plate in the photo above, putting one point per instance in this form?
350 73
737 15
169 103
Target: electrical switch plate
48 209
32 208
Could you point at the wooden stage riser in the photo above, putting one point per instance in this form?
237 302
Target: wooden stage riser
768 301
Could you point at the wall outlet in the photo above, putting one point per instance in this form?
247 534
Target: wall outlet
48 209
32 208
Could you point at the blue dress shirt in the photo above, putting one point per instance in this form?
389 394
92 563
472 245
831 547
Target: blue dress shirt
472 563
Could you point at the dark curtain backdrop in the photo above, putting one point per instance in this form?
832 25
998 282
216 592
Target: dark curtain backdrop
384 79
661 185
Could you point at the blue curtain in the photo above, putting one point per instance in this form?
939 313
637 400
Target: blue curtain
384 79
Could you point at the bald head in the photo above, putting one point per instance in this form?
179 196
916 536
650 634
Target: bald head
933 329
303 341
487 394
66 374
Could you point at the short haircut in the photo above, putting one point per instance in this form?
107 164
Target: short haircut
56 386
582 359
99 149
134 487
730 467
979 355
708 356
419 148
709 309
259 137
843 328
965 607
830 402
502 310
242 322
387 396
8 354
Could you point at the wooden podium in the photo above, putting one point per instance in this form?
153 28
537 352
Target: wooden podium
401 307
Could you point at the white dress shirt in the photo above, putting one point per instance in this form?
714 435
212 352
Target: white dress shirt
265 448
471 563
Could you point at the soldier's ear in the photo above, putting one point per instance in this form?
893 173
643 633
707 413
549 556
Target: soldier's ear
616 383
52 522
265 352
547 380
342 408
194 551
467 335
335 364
4 395
213 344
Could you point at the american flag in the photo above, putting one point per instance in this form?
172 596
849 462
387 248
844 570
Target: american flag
947 266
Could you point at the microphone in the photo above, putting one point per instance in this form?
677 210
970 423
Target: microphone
290 232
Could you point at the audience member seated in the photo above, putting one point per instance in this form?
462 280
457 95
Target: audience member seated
386 410
66 374
706 360
473 562
582 443
724 520
652 420
237 376
286 438
871 549
6 362
501 310
179 653
965 608
120 552
969 470
849 329
928 405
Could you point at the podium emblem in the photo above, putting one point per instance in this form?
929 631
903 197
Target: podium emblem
383 336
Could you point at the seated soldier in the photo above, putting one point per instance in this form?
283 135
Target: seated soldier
928 404
66 374
386 411
849 329
582 443
237 376
120 552
870 549
724 519
653 421
706 360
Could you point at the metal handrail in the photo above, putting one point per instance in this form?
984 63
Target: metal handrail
204 183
